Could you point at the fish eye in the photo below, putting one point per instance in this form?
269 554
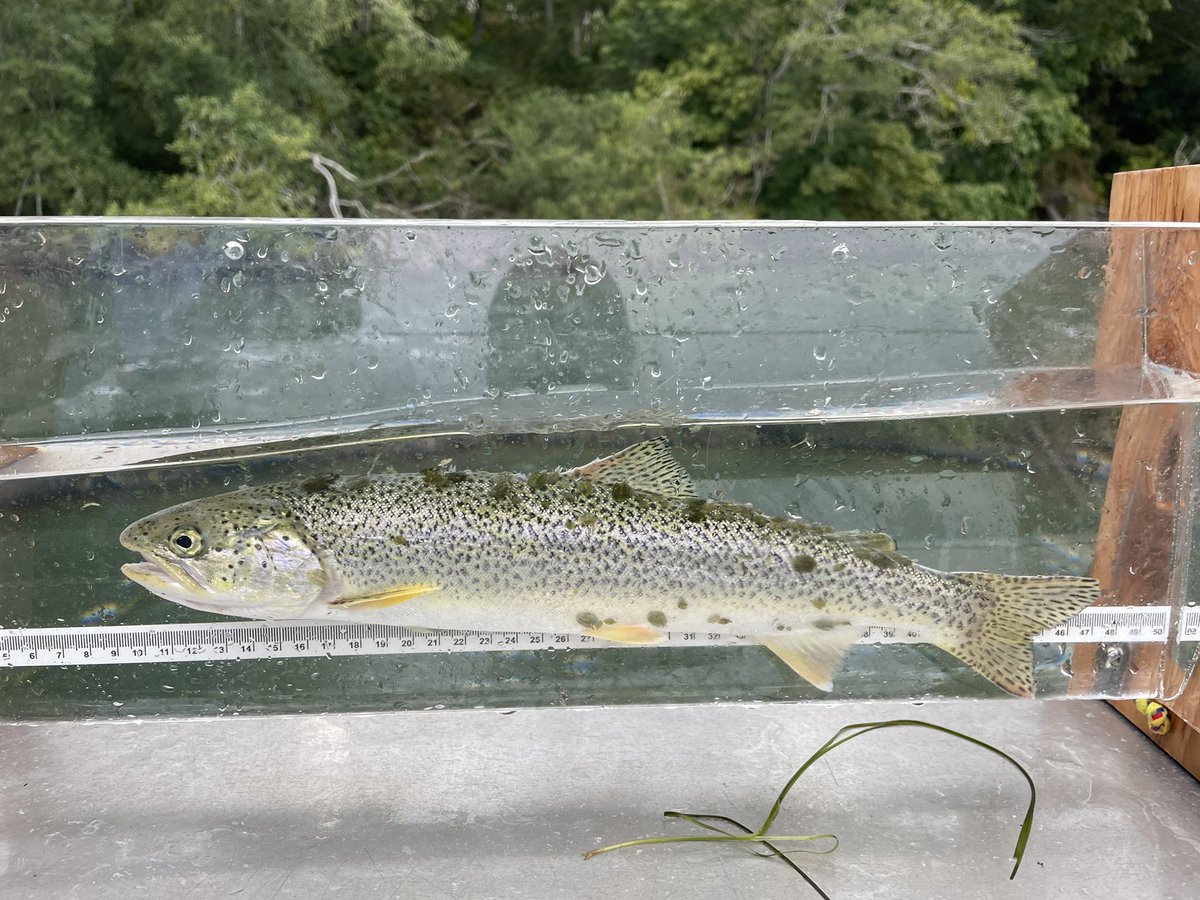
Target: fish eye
186 541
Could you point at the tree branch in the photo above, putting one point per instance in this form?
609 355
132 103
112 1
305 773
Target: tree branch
322 165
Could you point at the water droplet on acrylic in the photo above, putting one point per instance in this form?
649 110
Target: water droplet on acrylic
820 353
942 242
235 250
372 362
840 253
594 273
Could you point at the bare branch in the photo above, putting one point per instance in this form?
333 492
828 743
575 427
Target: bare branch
662 195
402 168
322 165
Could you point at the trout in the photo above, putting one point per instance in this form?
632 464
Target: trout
620 549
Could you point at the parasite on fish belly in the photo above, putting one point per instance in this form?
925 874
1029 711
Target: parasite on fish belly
620 548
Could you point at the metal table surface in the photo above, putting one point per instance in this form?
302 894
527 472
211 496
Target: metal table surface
484 804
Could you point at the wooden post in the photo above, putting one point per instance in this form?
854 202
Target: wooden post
1152 311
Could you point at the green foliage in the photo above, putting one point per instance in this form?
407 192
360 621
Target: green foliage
55 161
623 108
243 156
603 155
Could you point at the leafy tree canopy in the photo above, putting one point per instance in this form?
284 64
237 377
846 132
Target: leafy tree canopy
590 108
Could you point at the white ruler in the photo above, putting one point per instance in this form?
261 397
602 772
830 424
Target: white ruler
115 644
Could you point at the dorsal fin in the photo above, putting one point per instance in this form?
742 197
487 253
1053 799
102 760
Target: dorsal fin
874 540
648 466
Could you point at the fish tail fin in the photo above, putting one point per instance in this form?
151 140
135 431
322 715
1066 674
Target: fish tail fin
1025 606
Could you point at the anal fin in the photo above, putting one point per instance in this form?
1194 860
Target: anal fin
815 655
384 599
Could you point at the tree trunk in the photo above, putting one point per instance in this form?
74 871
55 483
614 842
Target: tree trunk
477 32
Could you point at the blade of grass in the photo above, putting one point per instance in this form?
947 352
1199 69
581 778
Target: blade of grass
748 838
844 734
861 728
773 850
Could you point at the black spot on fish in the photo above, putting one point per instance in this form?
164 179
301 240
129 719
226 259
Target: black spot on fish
657 619
400 539
502 488
803 563
539 480
588 620
434 477
682 604
819 603
621 491
318 483
717 619
827 624
695 510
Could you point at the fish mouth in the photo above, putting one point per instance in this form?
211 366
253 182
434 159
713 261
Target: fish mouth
156 577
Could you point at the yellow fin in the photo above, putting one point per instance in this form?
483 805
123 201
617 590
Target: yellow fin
648 467
1023 606
627 634
384 599
815 655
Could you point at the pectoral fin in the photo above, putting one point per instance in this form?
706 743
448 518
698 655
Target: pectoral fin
384 599
627 634
815 655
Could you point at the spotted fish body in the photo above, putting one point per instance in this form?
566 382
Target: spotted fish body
618 549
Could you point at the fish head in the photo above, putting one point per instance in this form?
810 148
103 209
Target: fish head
243 553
